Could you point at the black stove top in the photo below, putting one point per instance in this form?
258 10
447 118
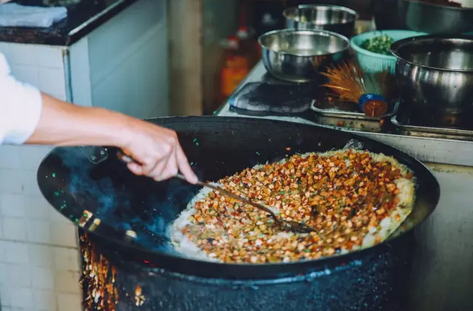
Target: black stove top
274 97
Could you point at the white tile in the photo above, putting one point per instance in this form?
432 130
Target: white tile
31 156
42 278
23 205
19 275
11 181
9 157
41 255
52 82
66 259
18 182
51 57
30 184
14 229
12 205
44 300
16 252
3 251
69 302
37 207
3 275
57 217
67 282
21 53
5 295
7 48
26 73
38 231
63 234
21 297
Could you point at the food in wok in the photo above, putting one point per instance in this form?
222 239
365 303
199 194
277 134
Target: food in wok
353 200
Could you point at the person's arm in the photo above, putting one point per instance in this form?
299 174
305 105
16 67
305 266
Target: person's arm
64 124
27 116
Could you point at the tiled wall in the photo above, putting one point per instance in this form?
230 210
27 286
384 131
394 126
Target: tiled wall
39 266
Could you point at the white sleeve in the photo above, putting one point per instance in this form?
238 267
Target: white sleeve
20 107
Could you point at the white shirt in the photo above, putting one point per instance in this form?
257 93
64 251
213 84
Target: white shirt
20 107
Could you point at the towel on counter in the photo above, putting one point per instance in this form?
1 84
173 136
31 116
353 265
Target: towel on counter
15 15
262 98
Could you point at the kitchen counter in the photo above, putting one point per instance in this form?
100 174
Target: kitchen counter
433 150
83 17
442 272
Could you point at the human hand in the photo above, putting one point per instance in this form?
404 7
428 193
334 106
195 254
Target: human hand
155 151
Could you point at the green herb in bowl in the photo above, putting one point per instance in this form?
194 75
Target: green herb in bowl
380 44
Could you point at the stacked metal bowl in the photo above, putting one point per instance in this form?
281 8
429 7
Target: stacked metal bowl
316 37
333 18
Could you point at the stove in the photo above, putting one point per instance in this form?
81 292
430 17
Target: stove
113 281
271 96
309 101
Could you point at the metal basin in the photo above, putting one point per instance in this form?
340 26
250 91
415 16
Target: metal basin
435 80
334 18
301 55
422 17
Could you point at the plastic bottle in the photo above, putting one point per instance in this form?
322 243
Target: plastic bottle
248 46
234 67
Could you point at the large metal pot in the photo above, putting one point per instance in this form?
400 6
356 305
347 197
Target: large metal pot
301 55
372 279
333 18
435 80
422 17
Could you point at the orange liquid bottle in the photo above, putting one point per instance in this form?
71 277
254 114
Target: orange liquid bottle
235 67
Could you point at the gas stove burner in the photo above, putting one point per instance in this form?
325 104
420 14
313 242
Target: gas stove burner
272 98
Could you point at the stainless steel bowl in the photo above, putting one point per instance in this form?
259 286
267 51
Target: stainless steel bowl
435 80
333 18
301 55
422 17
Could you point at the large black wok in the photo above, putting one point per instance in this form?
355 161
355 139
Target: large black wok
216 147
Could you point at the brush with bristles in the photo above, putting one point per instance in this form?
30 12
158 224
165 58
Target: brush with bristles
349 83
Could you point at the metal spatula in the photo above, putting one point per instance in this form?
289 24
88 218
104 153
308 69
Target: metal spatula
293 226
